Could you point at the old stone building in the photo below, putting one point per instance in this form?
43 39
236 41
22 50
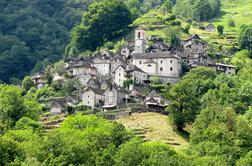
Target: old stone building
223 68
194 53
116 62
39 80
83 68
210 28
136 74
102 65
93 98
120 75
165 65
115 97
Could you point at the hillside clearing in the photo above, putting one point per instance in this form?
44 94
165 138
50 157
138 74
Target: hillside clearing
154 127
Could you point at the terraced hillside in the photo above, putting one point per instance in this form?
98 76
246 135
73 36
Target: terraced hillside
238 10
154 127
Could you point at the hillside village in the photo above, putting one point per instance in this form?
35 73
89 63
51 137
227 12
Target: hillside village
115 81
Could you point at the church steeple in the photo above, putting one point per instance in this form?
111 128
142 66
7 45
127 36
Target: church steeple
140 42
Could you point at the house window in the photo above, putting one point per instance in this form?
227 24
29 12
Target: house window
140 62
87 96
110 99
171 69
119 74
161 69
149 65
119 80
161 61
171 61
110 94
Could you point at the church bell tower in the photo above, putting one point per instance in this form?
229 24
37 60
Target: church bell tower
140 42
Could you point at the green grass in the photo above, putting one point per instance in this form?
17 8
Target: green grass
238 10
155 127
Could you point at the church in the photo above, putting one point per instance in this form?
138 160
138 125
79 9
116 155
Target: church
162 63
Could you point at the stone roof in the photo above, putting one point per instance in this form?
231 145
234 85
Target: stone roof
100 60
84 64
95 90
195 36
154 55
119 57
158 46
117 88
210 26
38 76
134 68
59 102
123 66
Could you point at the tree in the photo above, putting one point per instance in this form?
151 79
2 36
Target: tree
185 95
103 22
127 83
60 68
231 23
136 152
219 131
175 41
220 29
71 85
245 38
14 106
199 10
27 83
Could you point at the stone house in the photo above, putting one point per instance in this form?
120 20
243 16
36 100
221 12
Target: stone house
94 82
84 79
106 53
224 68
115 97
71 100
136 74
158 46
210 28
93 97
119 75
195 51
58 107
165 65
126 51
102 65
116 62
39 80
153 98
84 68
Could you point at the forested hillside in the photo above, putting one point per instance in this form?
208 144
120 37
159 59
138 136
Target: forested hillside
34 33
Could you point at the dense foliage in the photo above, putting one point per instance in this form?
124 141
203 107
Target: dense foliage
14 105
245 37
103 22
32 31
199 10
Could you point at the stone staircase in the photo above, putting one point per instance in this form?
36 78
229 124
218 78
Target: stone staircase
52 122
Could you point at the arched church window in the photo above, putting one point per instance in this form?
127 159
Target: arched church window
139 35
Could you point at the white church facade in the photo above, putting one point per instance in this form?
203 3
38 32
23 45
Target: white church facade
164 64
